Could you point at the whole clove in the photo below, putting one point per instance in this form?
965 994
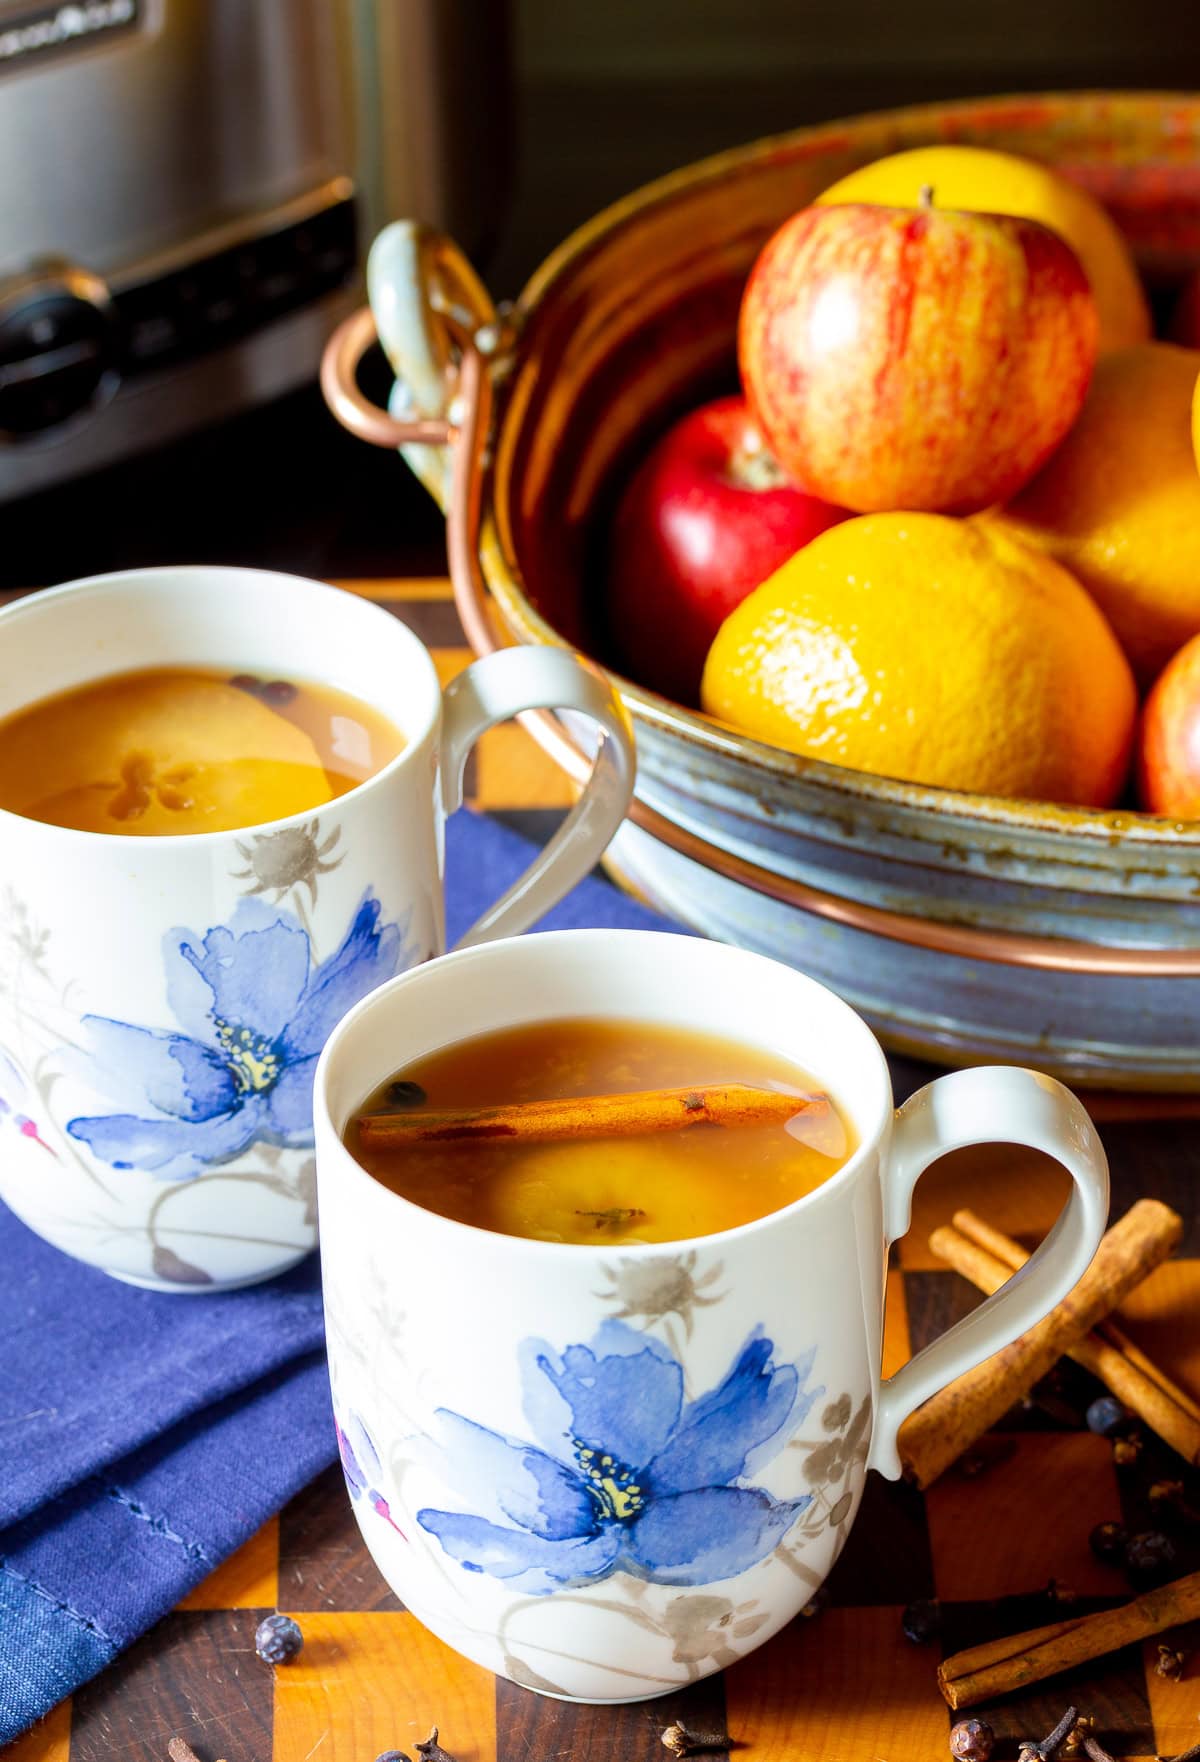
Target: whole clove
1192 1755
1170 1663
1048 1748
1072 1744
431 1750
1126 1451
1096 1750
179 1750
682 1742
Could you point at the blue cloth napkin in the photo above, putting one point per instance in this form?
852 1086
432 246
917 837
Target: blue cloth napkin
143 1437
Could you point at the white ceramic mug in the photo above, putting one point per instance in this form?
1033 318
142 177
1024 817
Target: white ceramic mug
604 1472
163 1000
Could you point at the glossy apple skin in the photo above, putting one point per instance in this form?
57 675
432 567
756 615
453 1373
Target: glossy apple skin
704 520
1168 758
915 358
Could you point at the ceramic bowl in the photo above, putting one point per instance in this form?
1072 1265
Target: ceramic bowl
963 927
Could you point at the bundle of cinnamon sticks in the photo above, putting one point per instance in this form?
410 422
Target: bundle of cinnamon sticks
1081 1327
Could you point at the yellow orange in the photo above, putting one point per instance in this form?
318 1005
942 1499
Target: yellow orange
934 650
1003 183
1119 502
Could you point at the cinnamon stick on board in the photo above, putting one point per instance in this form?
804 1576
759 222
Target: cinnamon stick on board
937 1433
987 1257
1003 1247
592 1116
982 1672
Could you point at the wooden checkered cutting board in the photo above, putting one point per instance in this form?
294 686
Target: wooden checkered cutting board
842 1686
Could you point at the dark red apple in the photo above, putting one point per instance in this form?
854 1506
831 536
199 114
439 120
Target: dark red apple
705 519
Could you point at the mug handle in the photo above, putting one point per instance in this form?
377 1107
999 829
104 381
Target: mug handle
502 685
993 1105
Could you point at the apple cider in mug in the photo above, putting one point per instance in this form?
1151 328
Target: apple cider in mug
601 1131
187 749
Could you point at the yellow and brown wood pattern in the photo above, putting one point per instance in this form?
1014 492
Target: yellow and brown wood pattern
843 1686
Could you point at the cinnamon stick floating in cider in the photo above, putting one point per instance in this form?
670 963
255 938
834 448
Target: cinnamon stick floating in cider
592 1116
999 1666
987 1257
937 1434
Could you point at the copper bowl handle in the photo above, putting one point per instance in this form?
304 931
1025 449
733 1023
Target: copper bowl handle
468 437
353 409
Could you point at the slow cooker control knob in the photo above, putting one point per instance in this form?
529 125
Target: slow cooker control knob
58 348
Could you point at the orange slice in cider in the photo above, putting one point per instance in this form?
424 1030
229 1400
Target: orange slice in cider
159 753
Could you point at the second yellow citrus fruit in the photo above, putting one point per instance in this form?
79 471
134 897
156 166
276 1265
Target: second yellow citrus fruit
933 650
1004 183
1119 503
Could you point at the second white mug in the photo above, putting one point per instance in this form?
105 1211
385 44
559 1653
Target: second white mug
163 1000
606 1472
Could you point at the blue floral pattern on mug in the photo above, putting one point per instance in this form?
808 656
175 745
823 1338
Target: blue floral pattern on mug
627 1475
254 1011
362 1467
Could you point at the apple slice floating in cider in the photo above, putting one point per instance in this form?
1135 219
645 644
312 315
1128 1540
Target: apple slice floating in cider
159 752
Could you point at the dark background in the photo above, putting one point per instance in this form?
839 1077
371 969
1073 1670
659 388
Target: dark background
607 93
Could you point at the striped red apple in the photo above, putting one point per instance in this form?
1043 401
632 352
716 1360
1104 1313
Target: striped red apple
919 358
